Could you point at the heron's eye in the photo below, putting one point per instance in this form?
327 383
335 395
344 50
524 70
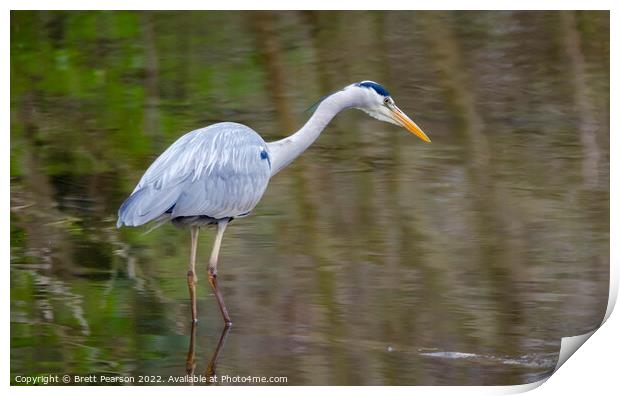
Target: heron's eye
386 101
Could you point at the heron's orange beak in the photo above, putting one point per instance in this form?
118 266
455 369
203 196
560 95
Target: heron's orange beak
408 124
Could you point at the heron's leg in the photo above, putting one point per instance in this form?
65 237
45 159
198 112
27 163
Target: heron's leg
191 274
212 270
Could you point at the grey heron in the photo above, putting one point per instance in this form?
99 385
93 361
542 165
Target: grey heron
215 174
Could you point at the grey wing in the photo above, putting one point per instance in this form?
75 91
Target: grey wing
219 171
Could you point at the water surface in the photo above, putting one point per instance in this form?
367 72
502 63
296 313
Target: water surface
374 258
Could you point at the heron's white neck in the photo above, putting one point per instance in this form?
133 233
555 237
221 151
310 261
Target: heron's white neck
284 151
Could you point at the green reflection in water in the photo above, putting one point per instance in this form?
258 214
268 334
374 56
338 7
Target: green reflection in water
374 259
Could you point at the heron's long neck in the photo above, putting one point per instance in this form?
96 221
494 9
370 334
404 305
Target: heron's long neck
284 151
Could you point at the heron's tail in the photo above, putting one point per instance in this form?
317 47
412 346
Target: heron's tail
147 204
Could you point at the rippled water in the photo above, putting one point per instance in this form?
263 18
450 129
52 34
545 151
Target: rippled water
373 259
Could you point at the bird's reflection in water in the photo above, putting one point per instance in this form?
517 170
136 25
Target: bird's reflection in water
190 362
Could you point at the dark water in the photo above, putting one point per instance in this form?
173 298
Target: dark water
373 259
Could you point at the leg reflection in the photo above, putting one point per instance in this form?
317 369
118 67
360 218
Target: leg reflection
190 361
216 354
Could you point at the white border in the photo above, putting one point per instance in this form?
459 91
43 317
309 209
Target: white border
314 4
592 369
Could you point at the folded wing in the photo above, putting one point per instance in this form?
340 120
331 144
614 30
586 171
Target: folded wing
219 171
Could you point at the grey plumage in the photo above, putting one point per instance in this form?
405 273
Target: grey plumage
217 172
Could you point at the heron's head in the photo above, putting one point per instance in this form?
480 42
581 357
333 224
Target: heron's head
377 102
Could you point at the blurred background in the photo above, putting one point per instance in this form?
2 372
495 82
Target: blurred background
374 258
